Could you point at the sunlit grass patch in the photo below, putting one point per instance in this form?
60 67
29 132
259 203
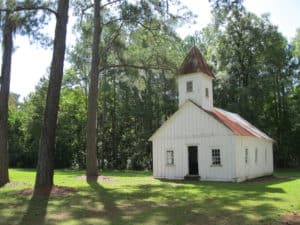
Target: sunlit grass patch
131 197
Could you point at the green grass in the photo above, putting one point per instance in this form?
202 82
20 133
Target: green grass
137 198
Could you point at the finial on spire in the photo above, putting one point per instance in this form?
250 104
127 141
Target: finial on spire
194 41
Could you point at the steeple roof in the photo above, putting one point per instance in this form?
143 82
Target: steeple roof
195 62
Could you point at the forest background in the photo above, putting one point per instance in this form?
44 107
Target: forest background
256 69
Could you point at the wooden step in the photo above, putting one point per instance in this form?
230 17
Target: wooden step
192 177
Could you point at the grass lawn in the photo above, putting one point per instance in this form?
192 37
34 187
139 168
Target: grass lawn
136 198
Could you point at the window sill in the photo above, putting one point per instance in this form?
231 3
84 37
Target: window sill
216 165
170 165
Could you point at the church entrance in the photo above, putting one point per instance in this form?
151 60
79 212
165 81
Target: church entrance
193 160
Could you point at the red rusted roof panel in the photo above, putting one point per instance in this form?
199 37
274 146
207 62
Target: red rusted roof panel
231 124
236 123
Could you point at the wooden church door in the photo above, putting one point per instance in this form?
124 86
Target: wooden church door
193 160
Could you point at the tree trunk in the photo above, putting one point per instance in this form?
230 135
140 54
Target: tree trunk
114 145
45 167
4 95
91 148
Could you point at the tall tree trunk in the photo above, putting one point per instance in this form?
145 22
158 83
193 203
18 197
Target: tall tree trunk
91 148
45 167
114 145
4 95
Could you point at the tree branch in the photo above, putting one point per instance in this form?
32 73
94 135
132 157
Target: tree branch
86 8
112 21
110 3
28 8
116 34
150 29
92 5
20 8
146 67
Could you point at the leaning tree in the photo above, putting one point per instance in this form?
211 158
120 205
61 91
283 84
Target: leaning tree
16 18
45 166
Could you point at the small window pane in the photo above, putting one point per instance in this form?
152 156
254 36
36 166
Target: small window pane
256 155
206 92
246 155
170 157
216 157
189 86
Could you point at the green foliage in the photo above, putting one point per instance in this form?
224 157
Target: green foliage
296 44
70 147
256 68
256 73
16 137
139 57
29 17
25 123
134 103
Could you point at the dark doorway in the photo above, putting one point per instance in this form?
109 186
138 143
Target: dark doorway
193 160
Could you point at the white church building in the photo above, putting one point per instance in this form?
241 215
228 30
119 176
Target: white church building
203 142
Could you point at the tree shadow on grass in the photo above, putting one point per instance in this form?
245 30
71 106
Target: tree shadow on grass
126 173
110 210
37 208
184 203
167 202
179 205
257 187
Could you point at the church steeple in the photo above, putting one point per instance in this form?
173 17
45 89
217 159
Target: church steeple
195 80
195 62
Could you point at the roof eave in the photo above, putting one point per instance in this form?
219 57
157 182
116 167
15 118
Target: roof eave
185 74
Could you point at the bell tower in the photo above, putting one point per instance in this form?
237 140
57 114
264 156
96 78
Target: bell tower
195 80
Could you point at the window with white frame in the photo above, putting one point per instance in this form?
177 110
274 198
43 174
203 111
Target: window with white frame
170 157
256 155
189 86
246 155
206 92
266 155
216 157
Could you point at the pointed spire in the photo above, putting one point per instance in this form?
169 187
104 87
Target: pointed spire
195 62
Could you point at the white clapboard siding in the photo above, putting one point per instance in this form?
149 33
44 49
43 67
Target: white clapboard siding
198 123
200 82
264 164
188 127
191 126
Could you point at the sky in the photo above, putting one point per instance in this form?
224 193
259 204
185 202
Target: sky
30 62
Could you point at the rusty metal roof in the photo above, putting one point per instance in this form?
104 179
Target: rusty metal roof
234 122
195 62
237 124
